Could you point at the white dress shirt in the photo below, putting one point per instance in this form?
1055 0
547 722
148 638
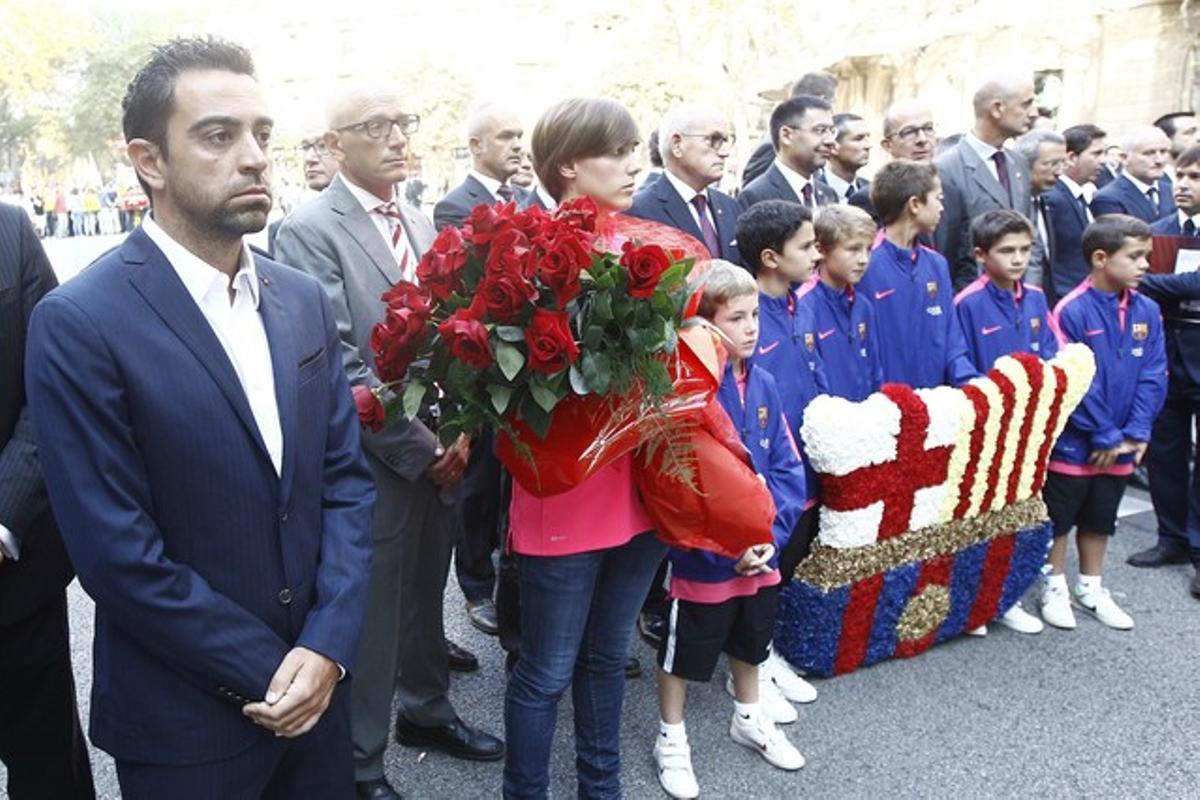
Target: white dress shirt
10 544
1077 192
689 194
985 152
237 325
403 251
549 202
796 181
1142 187
489 183
841 187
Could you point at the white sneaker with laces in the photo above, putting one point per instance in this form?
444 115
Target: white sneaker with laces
774 705
791 685
1099 604
674 760
761 736
1019 620
1056 607
981 631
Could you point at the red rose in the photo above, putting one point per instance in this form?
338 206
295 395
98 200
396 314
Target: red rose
551 346
580 213
531 222
560 263
396 341
371 413
509 251
506 295
484 222
467 339
407 294
645 266
440 269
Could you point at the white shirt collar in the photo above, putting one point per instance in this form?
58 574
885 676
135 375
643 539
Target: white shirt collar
794 179
1183 217
549 202
199 277
685 191
1141 187
982 148
1074 188
835 182
366 199
489 183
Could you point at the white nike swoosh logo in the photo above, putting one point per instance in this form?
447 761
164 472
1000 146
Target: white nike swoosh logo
884 293
823 335
988 331
762 351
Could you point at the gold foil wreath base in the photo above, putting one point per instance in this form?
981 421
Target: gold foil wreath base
924 613
829 567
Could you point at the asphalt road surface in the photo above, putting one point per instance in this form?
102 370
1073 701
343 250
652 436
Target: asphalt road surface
1089 713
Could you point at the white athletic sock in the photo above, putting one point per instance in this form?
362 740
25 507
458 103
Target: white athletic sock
1087 584
672 732
745 710
1056 582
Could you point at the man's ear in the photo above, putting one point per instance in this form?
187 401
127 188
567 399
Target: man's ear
333 143
147 161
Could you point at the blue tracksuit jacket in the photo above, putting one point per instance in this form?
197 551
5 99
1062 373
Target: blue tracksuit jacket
997 322
847 339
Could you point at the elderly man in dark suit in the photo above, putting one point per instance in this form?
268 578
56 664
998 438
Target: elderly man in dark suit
1143 189
1045 153
803 135
980 174
1067 206
359 239
41 743
201 451
694 142
494 136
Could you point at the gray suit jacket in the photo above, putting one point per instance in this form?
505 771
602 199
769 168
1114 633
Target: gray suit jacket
333 239
968 190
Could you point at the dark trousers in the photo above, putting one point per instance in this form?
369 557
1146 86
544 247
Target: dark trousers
317 764
1174 484
480 510
41 742
508 580
799 545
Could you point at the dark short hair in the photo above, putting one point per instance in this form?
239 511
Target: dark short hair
768 226
1169 123
1109 232
1188 157
652 146
150 97
842 122
818 84
790 111
1080 137
580 127
896 182
992 226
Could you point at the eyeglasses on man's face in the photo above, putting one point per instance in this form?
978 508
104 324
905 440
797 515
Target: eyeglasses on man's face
381 127
716 140
310 147
910 132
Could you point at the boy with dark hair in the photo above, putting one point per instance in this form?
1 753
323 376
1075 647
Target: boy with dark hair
909 284
1109 431
1068 205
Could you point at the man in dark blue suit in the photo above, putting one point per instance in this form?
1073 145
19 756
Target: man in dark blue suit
41 742
1174 481
494 138
850 154
694 142
1067 208
1045 154
803 135
820 84
201 450
1142 190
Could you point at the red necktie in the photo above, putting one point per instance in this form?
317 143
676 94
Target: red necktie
710 235
806 194
1002 173
395 224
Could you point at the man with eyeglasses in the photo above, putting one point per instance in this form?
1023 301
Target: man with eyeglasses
494 135
319 168
694 142
1045 152
804 136
980 174
360 238
851 153
818 84
908 133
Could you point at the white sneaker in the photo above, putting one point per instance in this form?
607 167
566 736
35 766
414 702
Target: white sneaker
981 631
791 685
674 760
774 705
1056 607
1019 620
763 737
1099 603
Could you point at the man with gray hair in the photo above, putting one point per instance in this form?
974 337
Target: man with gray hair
980 174
494 135
1142 190
1045 153
694 142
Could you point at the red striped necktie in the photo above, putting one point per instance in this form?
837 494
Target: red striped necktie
391 215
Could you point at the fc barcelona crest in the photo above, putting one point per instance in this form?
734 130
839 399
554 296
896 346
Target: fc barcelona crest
763 417
1140 331
1035 324
810 342
931 289
862 331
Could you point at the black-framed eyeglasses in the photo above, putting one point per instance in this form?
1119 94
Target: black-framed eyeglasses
820 131
317 147
909 132
716 141
381 127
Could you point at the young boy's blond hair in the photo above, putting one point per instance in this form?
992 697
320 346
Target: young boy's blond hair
837 224
721 283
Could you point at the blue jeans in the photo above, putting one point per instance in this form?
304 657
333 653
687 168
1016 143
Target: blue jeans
577 615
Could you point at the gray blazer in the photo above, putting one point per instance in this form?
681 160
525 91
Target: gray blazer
968 190
333 239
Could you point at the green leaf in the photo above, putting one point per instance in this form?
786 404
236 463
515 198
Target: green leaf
597 372
543 396
662 303
603 306
674 276
414 393
535 416
510 333
578 384
593 337
510 359
501 395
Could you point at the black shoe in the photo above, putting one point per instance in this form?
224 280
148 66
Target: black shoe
460 659
510 660
455 739
1156 556
651 626
633 668
483 616
378 789
1196 584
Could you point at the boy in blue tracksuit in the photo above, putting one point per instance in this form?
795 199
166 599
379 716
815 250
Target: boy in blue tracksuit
909 284
720 604
1107 434
998 312
843 318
